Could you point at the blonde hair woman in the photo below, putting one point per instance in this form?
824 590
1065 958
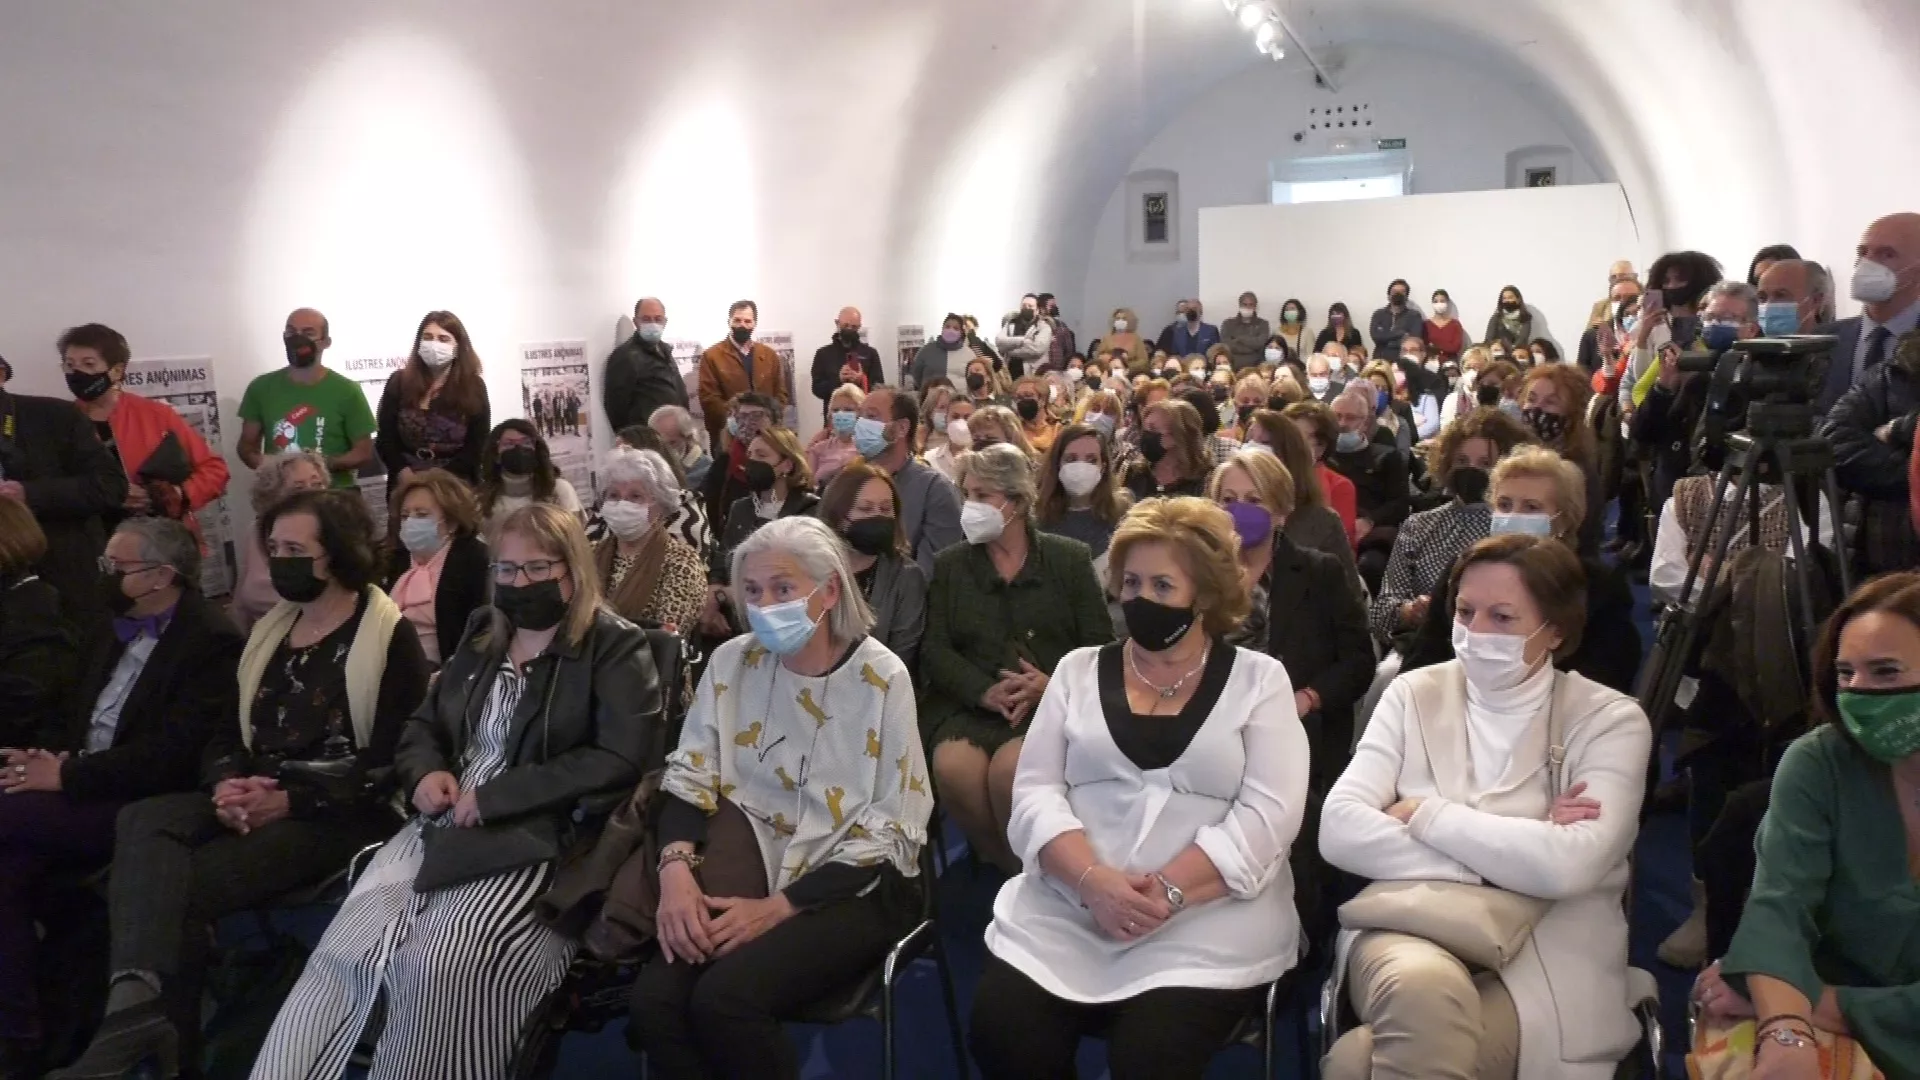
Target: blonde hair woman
996 424
545 715
832 446
1173 451
1249 396
1033 403
780 483
1155 807
985 383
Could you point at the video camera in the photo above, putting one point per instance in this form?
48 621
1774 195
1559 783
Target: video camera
1765 386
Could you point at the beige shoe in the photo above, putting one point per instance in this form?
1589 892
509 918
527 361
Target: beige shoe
1686 947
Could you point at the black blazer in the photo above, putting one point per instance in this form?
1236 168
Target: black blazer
586 728
1317 628
71 480
39 658
1840 361
1379 475
640 377
187 690
461 592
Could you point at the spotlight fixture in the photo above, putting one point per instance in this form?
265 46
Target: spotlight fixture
1253 15
1266 39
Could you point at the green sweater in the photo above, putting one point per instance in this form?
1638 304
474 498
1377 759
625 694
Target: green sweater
1833 903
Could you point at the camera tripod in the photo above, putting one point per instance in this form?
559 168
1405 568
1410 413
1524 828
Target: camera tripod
1777 447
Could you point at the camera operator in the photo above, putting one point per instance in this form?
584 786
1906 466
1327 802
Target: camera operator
1663 425
1871 428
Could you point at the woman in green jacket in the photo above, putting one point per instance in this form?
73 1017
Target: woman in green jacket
1830 938
1002 610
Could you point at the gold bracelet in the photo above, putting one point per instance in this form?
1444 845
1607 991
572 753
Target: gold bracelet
667 858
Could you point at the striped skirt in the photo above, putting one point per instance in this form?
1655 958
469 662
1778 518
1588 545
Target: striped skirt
463 969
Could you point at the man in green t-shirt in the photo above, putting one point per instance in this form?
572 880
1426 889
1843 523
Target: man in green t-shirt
304 406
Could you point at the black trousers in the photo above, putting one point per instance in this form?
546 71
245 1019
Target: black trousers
722 1019
1021 1032
1725 861
176 870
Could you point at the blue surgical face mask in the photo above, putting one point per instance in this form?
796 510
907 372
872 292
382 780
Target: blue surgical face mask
651 331
1540 525
843 421
420 535
785 628
1380 400
1720 336
733 426
1349 441
1627 323
1780 318
1101 421
869 437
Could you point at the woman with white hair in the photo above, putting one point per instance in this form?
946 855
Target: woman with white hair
278 477
806 727
832 446
651 576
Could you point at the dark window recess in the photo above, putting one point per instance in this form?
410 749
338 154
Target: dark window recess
1542 177
1154 217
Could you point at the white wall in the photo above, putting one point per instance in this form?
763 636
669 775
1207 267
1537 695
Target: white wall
1460 125
1350 253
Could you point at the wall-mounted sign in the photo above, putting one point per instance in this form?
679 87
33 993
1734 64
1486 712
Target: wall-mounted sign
1390 144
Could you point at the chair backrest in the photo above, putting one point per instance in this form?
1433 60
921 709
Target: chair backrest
669 659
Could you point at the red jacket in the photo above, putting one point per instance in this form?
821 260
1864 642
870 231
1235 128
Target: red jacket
140 423
1341 496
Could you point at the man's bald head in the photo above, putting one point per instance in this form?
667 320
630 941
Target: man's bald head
1801 283
848 319
1621 271
310 323
649 309
1894 242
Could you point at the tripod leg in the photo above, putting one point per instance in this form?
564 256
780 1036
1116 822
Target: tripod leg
1802 572
1831 489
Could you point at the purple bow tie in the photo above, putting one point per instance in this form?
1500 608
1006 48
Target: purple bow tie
127 629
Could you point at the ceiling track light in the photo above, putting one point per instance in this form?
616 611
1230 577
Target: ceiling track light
1252 15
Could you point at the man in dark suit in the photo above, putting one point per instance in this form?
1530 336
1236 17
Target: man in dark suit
845 348
154 688
51 460
1886 281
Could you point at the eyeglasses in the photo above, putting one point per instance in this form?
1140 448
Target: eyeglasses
108 565
536 570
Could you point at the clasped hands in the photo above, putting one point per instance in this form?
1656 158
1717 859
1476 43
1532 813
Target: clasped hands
1017 693
246 803
1572 807
437 791
1126 907
30 770
697 928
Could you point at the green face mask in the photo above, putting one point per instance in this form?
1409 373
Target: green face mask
1886 722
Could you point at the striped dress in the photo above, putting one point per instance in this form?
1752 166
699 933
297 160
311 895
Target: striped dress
463 967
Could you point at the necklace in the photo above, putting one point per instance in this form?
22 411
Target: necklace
1166 692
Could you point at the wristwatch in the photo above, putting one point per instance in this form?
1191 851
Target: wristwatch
1175 898
1786 1036
692 860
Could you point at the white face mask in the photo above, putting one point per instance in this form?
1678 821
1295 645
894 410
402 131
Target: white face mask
1441 307
1318 383
1119 326
1079 477
436 354
958 436
1247 313
1874 283
628 520
1274 356
981 522
1074 374
1493 662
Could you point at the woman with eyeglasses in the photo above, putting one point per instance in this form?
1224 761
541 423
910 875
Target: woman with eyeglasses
326 682
539 726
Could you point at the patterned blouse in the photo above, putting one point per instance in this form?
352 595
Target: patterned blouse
1424 552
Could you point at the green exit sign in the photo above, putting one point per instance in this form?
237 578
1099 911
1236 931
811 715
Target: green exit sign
1391 144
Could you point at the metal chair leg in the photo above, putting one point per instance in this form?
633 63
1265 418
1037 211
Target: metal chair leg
886 1025
954 1030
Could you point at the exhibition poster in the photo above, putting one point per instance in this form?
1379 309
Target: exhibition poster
372 373
556 394
781 342
686 360
906 343
186 383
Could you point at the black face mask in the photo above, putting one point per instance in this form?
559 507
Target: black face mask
1153 626
1509 305
302 351
87 387
294 579
1469 482
1488 396
536 607
519 461
847 338
1220 393
1028 409
1398 300
1245 413
742 335
1093 382
1193 316
871 536
976 381
1549 426
1152 447
113 589
760 477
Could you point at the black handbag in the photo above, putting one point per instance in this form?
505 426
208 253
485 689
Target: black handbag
453 856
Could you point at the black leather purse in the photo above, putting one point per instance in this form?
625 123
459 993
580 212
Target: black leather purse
454 856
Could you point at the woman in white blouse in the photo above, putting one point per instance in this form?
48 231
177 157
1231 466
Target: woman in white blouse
1161 786
1452 783
807 725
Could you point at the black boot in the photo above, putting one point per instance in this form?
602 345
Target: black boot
126 1040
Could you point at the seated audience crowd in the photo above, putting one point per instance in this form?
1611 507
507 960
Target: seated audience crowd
1231 651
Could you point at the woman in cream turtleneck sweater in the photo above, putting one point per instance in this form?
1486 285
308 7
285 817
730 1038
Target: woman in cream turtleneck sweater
516 469
1452 783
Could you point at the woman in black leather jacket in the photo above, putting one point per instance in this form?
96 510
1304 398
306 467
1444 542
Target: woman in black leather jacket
540 723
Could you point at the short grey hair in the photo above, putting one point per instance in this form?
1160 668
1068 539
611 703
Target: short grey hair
1739 290
647 468
1002 468
270 480
168 542
1362 391
1819 289
682 421
822 556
